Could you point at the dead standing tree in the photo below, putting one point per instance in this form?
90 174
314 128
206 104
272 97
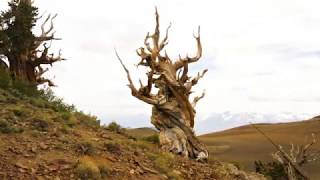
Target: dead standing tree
293 161
172 113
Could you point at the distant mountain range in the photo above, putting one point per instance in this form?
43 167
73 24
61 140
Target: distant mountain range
221 121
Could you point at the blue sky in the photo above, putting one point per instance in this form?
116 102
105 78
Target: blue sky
263 56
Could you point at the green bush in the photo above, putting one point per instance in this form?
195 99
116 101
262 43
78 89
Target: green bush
66 115
274 170
113 126
69 119
56 103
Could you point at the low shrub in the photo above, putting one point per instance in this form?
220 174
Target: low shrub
69 119
38 102
273 170
113 148
87 169
56 103
7 128
25 88
162 161
86 148
114 127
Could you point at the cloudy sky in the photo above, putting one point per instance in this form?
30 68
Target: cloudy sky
263 56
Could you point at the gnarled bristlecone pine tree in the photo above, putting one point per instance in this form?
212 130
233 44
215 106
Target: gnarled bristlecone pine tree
173 113
26 52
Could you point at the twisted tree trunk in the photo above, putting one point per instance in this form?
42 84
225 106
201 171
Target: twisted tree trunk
172 113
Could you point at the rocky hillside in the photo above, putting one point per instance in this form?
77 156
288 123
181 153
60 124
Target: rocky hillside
43 138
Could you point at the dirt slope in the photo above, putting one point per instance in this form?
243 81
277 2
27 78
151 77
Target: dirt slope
40 140
244 144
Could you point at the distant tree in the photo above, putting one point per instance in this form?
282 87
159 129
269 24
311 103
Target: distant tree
173 112
25 51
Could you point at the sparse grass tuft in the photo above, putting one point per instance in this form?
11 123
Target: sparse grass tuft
25 89
152 139
69 119
65 129
87 169
87 120
162 161
55 102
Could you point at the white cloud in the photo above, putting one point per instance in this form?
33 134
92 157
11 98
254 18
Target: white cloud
256 51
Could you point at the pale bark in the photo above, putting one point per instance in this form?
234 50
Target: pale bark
297 157
172 113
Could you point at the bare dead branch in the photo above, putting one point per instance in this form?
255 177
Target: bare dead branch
156 35
146 42
180 63
165 42
195 80
293 160
198 98
46 35
134 91
47 59
199 48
